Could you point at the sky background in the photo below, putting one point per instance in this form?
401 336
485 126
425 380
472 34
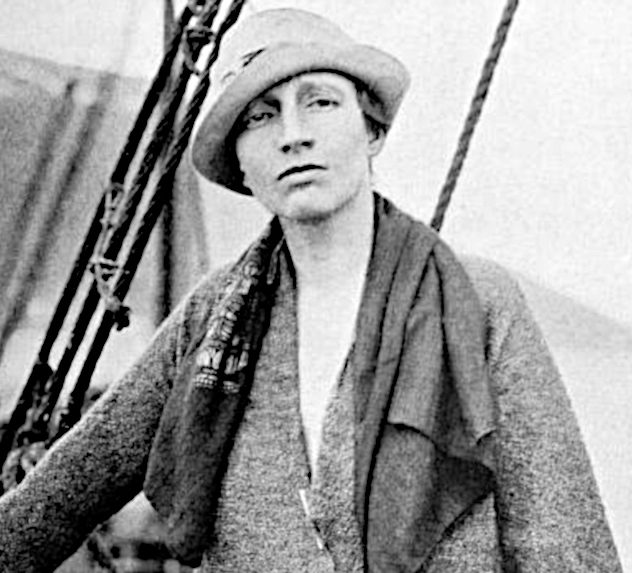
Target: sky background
546 186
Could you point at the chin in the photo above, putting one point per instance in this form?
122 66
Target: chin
313 211
314 206
307 215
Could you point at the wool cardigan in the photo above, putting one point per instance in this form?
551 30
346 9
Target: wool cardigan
418 353
542 512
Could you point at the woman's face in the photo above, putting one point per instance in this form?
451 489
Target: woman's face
304 147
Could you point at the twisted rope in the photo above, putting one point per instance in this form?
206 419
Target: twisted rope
181 141
196 37
102 267
116 223
123 279
108 231
476 107
153 94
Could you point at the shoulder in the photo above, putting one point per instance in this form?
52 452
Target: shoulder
173 337
497 288
509 321
206 291
198 303
495 285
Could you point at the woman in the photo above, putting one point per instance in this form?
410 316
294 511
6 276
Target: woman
348 396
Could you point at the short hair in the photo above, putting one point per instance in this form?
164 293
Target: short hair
371 109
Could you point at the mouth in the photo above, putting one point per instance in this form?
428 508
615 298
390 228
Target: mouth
299 169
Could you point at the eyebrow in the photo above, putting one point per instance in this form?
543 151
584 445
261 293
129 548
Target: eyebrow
265 99
311 86
305 86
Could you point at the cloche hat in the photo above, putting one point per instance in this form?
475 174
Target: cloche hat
269 47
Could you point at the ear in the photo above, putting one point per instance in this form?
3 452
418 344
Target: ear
376 141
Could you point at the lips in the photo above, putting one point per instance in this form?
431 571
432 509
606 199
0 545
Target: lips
299 169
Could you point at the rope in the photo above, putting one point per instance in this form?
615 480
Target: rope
117 178
116 224
126 213
476 107
102 267
196 37
124 277
108 231
175 153
156 89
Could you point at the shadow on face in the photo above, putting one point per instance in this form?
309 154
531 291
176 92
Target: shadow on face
371 110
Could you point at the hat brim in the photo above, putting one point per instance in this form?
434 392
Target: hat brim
382 74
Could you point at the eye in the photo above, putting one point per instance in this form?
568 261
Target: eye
258 119
322 102
252 119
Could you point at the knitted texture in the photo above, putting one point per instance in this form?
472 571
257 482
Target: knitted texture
545 512
331 496
260 523
415 291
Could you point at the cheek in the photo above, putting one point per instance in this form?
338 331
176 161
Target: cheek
353 137
245 161
255 170
353 153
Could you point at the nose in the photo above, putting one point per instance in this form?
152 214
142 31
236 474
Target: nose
294 132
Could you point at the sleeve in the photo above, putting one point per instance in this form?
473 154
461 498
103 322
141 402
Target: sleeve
550 514
95 469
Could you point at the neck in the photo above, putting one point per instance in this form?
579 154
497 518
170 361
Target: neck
334 249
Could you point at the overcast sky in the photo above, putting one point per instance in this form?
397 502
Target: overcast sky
546 186
546 189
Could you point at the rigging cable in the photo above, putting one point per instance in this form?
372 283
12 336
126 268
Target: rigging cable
474 114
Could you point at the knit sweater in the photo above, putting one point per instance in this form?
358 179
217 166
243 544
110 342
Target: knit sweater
261 524
543 515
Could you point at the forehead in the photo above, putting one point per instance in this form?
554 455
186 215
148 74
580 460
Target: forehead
308 81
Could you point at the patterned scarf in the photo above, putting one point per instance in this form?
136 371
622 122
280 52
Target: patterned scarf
202 415
234 329
409 270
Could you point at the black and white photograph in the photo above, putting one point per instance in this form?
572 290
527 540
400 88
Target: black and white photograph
311 286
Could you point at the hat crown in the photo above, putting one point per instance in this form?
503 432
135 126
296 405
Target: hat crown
265 30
